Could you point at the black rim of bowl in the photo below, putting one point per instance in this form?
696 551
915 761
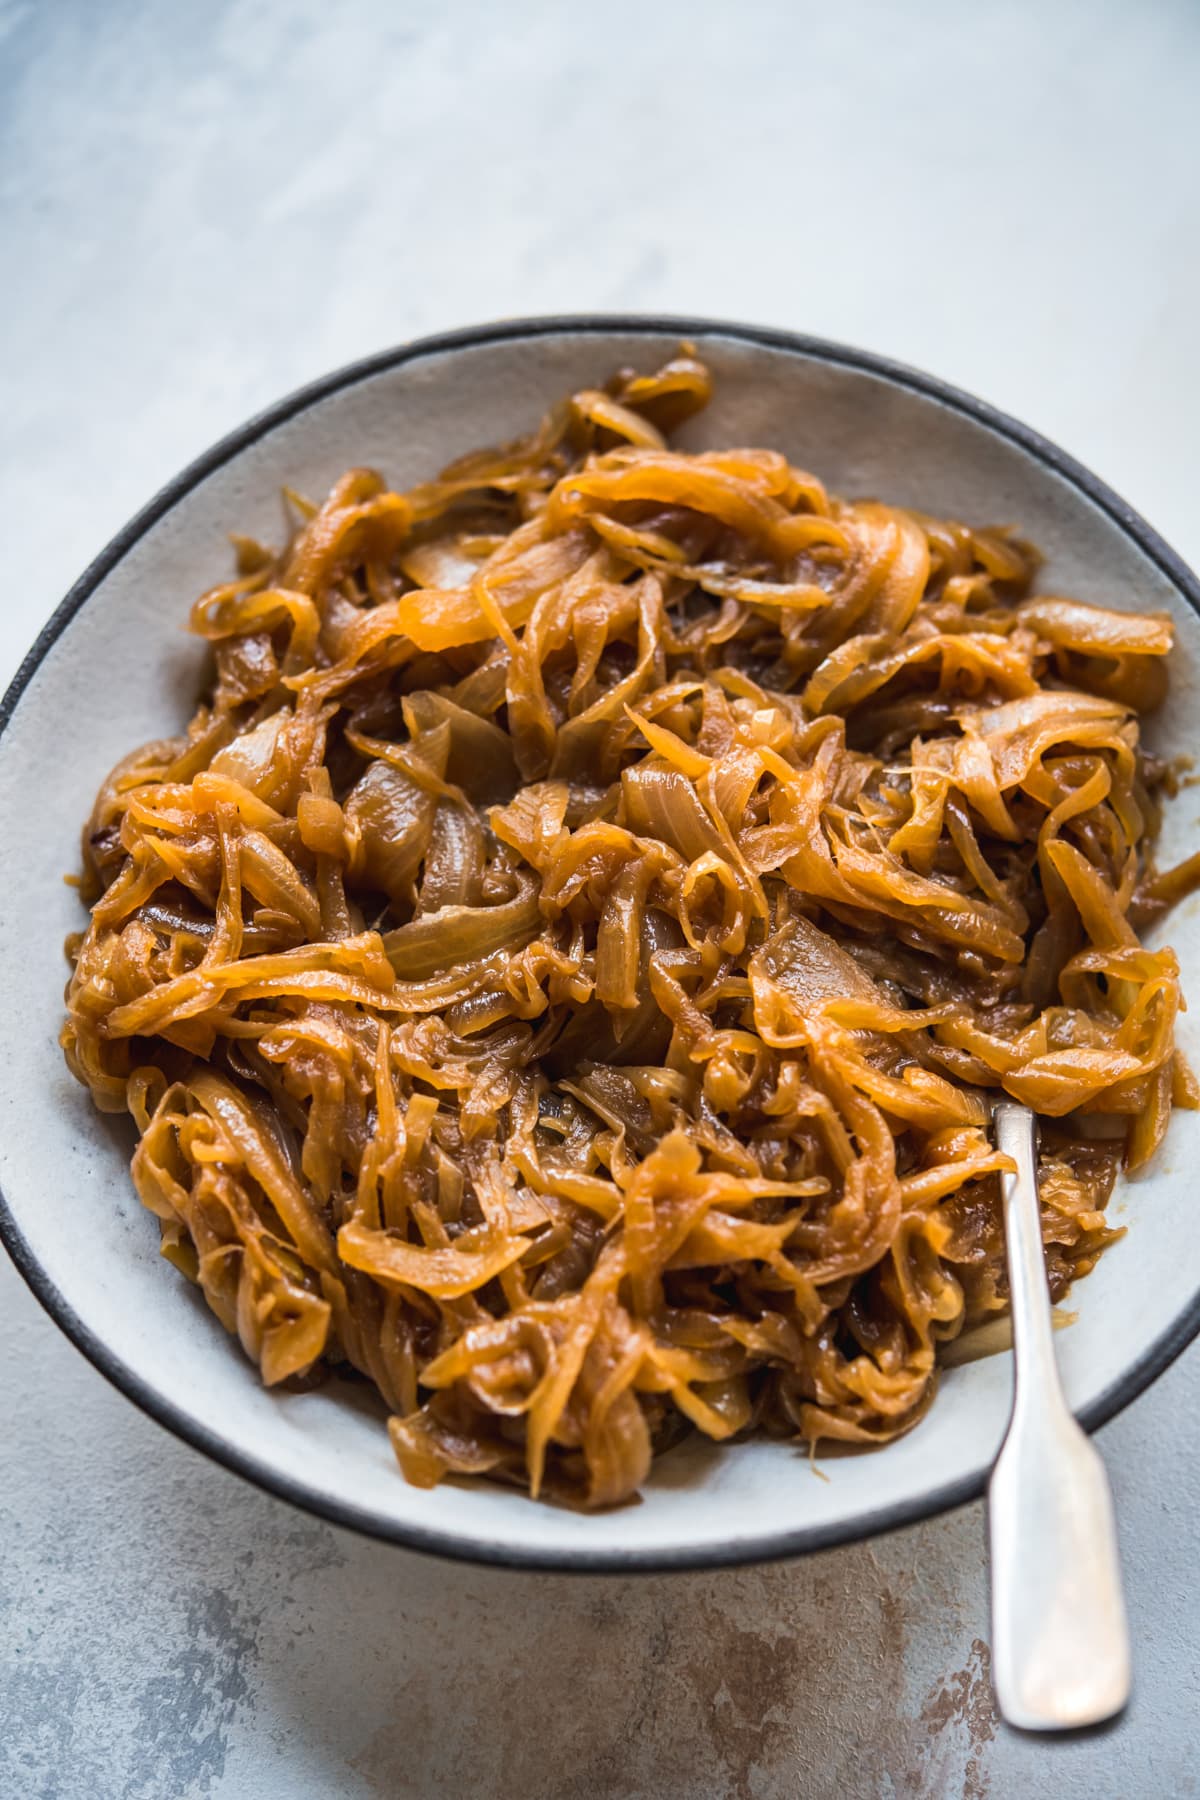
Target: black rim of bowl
775 1545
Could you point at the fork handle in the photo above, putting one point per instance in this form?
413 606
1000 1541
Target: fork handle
1060 1641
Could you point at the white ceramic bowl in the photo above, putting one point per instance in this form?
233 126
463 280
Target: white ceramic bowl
114 668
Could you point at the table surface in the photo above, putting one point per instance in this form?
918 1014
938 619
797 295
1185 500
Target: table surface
205 205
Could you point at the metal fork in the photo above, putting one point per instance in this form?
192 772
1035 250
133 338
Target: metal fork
1060 1640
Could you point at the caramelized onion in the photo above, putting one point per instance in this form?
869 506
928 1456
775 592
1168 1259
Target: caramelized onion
563 970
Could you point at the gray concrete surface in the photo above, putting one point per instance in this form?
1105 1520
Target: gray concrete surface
200 207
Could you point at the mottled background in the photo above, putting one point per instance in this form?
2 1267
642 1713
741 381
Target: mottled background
202 206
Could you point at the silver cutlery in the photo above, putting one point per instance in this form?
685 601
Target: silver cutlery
1060 1640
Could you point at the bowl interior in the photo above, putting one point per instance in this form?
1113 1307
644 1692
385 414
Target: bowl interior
122 670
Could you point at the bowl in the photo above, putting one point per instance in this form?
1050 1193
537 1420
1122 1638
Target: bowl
114 668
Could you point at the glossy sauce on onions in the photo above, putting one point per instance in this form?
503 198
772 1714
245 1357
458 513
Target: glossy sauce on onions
562 970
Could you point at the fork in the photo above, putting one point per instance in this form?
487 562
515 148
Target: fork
1060 1640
